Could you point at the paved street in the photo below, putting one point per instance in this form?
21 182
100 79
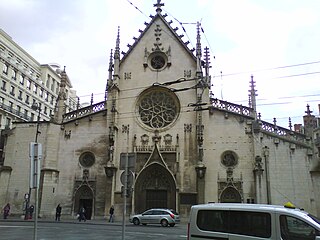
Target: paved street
95 229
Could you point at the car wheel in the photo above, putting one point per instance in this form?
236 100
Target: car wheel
136 221
164 223
171 224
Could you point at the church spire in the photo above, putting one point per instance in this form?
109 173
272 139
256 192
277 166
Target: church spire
252 97
110 66
158 5
117 56
62 97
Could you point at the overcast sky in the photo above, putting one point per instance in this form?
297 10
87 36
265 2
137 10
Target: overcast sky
276 41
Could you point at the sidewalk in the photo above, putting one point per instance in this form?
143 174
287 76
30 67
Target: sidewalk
98 221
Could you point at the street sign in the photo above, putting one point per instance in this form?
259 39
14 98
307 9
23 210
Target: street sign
130 178
35 152
131 161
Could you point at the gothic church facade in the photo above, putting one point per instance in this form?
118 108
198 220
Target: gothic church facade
183 147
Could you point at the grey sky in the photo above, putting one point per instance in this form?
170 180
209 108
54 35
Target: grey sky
244 35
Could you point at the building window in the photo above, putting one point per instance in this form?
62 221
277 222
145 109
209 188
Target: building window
35 88
20 95
1 101
158 107
12 90
10 106
5 68
45 110
25 113
229 159
27 99
21 79
3 87
8 123
87 159
41 92
14 74
46 95
52 85
48 81
28 84
19 110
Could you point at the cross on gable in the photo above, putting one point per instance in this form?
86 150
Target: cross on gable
158 5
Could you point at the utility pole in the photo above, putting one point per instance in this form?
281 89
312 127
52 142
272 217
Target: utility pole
125 129
35 151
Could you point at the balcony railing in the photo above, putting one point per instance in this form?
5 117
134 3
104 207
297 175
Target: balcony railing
17 113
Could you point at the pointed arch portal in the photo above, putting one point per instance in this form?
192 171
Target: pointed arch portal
84 198
154 187
230 195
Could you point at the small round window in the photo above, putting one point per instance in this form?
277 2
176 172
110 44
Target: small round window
229 159
157 61
87 159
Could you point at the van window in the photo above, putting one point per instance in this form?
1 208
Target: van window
294 228
247 223
257 224
213 220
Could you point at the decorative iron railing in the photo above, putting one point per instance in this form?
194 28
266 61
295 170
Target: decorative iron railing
84 111
231 107
283 132
259 125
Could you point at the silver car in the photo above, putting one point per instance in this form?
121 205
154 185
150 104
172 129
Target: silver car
155 216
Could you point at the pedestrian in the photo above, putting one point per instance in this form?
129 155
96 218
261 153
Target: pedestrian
58 212
6 211
82 214
31 209
111 212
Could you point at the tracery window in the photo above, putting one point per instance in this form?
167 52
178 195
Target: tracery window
229 159
87 159
158 108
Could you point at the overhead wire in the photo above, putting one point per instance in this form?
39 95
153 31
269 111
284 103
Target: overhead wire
236 73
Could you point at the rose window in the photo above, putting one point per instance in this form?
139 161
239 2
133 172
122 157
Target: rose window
158 108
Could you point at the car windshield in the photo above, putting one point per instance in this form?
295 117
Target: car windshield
314 218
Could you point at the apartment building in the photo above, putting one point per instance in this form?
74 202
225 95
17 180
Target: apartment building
25 83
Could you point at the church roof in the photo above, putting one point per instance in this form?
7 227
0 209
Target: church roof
148 25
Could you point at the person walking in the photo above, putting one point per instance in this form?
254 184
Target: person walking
6 211
58 212
111 212
31 210
82 214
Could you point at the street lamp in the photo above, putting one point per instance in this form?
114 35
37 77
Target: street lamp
35 107
35 161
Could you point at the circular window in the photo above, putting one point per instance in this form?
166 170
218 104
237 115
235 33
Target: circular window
158 61
229 159
158 107
87 159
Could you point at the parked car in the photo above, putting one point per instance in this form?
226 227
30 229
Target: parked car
161 216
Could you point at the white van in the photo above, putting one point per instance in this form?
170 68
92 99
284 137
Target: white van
233 221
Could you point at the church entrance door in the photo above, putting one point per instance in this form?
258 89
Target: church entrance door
154 187
84 198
